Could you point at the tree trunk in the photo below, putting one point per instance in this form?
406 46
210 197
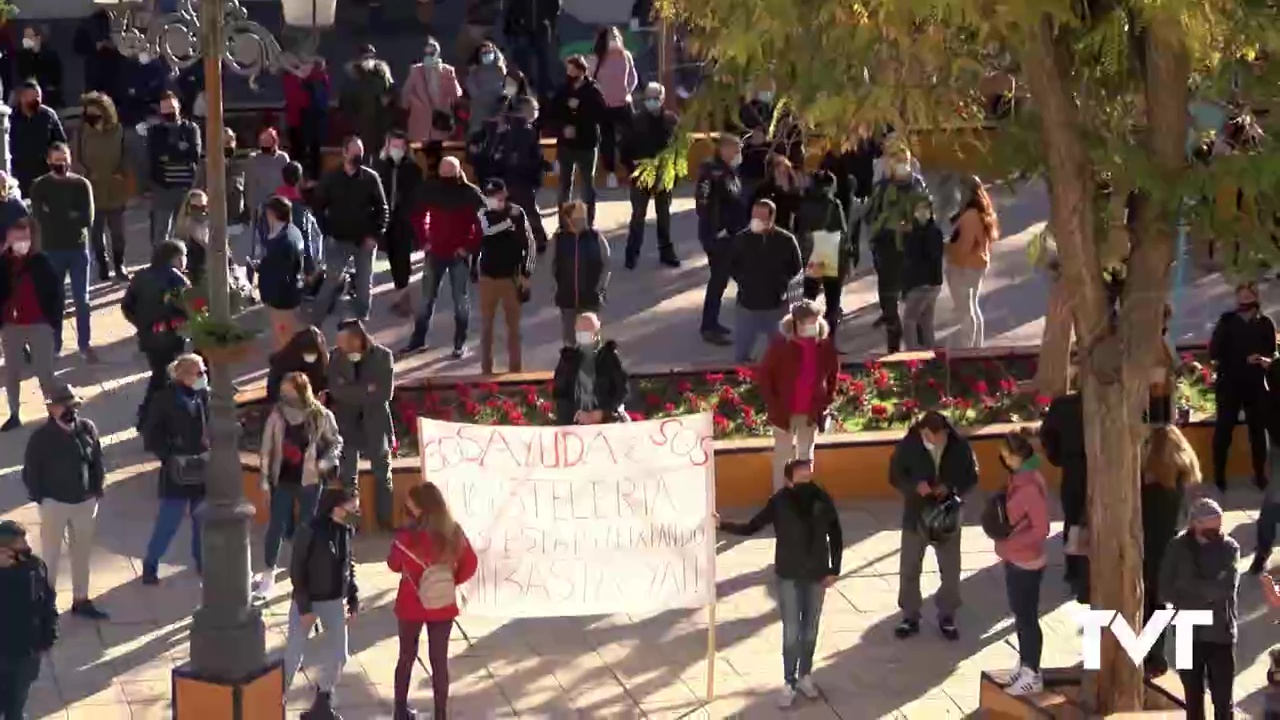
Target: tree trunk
1053 371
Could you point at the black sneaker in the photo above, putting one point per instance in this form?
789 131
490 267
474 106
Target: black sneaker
542 249
947 626
717 337
413 348
150 577
1260 482
669 260
458 353
1258 565
87 610
13 423
630 262
906 628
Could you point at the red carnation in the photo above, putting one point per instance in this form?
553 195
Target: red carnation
714 378
470 408
744 374
1042 401
844 378
200 305
653 399
881 380
979 387
463 391
684 387
515 417
932 383
720 423
910 405
879 410
669 408
637 416
857 387
913 365
1007 385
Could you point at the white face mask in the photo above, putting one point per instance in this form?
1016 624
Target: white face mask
396 154
310 357
735 161
757 225
493 203
922 216
431 60
20 248
510 89
201 383
902 170
355 357
144 58
585 337
28 43
807 330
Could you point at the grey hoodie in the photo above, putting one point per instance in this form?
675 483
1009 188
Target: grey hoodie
1203 576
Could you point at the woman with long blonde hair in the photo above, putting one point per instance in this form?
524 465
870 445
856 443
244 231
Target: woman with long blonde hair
433 556
300 445
1170 467
191 228
969 256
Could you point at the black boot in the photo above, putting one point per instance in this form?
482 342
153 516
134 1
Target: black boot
1259 563
667 257
417 340
321 708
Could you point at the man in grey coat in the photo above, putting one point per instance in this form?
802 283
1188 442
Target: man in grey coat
1199 573
361 380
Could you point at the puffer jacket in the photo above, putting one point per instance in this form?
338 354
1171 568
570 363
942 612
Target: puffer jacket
580 267
323 565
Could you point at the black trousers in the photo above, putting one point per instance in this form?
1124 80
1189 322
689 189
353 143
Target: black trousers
527 198
304 148
1230 402
832 289
613 124
640 211
1150 591
16 678
1213 664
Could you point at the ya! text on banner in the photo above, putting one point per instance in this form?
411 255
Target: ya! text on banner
580 520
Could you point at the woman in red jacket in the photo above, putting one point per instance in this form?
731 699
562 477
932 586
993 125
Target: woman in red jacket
432 539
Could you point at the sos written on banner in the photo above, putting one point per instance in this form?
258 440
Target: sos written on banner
581 520
1137 646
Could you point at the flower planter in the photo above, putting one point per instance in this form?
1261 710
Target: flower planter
1061 698
232 354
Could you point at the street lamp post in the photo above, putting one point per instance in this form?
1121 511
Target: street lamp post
228 645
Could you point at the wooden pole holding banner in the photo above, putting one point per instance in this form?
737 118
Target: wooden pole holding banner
711 651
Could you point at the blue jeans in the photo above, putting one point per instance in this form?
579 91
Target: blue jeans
583 163
168 520
337 257
333 636
800 602
281 522
1023 587
459 280
76 264
749 325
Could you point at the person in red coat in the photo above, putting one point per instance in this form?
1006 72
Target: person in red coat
432 538
306 110
797 381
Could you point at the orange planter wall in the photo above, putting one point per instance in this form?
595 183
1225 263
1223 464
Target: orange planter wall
850 469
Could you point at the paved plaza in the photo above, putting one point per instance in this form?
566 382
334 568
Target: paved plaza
597 667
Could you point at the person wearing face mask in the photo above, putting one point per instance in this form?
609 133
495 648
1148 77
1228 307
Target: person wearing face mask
480 24
240 242
176 430
361 380
577 111
765 260
63 474
153 307
613 68
262 173
42 63
520 164
797 381
590 383
755 118
323 574
579 266
366 97
173 152
306 111
722 213
280 273
12 207
1022 553
968 257
486 85
300 446
806 561
889 216
138 87
1199 573
351 208
404 183
62 206
102 157
825 245
650 131
307 353
33 129
931 463
1241 348
26 592
302 218
430 94
192 230
453 231
782 188
30 308
503 268
922 250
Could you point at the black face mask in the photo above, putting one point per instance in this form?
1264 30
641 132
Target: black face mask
58 168
32 104
1248 307
93 120
268 149
169 117
229 152
1211 536
69 416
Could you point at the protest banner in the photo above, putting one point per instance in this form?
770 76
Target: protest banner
581 520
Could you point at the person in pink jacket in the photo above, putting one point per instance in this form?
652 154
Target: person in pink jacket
613 69
1023 554
430 92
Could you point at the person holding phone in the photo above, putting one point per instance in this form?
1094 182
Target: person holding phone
1241 348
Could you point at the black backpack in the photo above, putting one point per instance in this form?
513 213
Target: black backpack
995 517
940 518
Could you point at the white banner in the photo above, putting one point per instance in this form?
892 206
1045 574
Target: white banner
580 520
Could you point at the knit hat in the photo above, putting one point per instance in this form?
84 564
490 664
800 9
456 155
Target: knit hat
1205 509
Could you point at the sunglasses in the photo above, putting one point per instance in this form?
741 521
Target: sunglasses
199 208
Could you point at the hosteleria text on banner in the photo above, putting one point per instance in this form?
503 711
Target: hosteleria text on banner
580 520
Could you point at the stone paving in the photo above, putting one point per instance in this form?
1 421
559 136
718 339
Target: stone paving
615 666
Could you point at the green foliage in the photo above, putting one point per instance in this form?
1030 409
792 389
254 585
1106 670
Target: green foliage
917 65
666 169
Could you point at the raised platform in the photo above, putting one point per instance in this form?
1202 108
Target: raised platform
1061 699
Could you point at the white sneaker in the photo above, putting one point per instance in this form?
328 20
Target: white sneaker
807 688
1026 682
265 583
1007 680
786 697
611 182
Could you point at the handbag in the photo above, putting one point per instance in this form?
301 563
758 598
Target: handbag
188 470
523 291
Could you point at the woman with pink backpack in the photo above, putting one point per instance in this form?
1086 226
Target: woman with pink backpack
433 556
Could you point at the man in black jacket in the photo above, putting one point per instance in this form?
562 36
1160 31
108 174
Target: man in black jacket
31 618
765 260
1062 437
519 160
173 159
930 464
580 267
530 27
62 470
922 251
820 224
324 588
651 131
576 111
351 207
33 129
152 305
589 356
402 180
722 213
806 560
1242 347
503 269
